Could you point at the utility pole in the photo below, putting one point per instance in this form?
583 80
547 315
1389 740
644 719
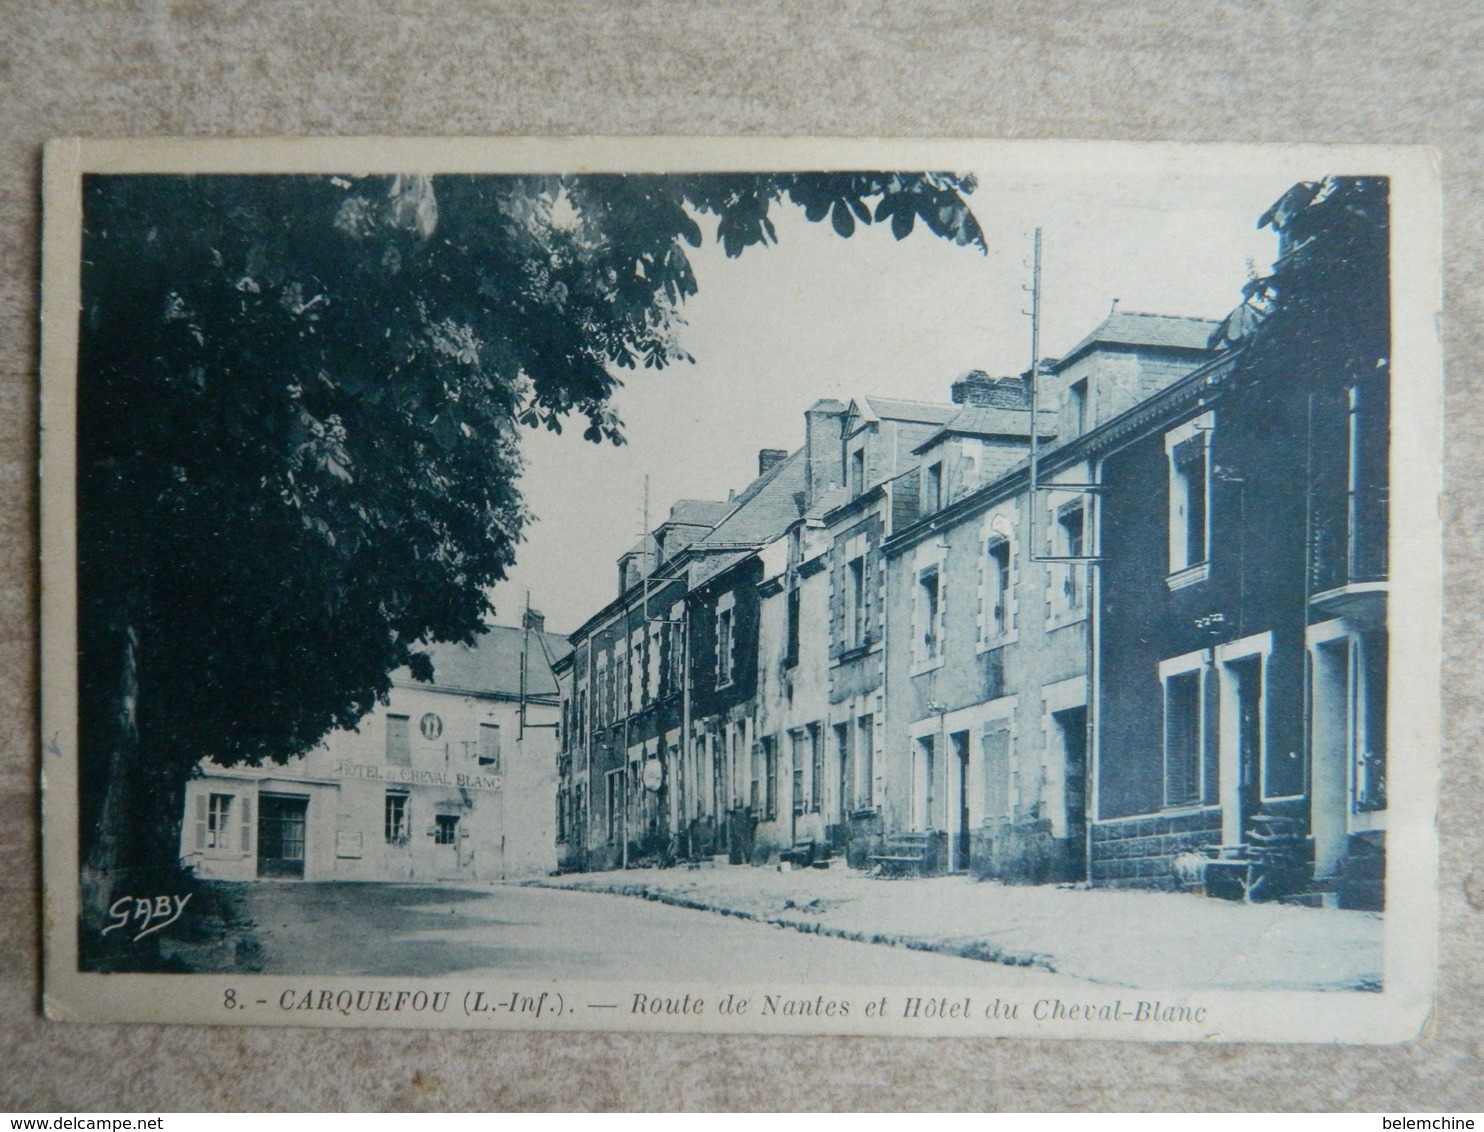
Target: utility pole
1034 497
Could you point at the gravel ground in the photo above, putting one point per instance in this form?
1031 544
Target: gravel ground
1118 938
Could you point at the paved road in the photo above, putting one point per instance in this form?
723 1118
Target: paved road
364 929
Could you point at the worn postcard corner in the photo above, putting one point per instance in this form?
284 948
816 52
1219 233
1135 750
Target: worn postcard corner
860 587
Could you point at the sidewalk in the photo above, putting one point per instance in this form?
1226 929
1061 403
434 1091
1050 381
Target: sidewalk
1120 938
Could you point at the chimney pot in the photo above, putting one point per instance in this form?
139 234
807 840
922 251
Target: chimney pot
769 458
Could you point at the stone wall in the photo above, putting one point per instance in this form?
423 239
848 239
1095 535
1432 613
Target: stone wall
1136 852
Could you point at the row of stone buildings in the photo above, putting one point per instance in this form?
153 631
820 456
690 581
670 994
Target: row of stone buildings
1155 652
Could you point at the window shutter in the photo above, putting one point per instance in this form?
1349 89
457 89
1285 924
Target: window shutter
201 803
247 823
995 743
940 630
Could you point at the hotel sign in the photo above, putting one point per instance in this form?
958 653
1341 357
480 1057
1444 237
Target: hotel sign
407 776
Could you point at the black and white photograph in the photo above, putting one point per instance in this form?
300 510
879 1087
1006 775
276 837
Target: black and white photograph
969 588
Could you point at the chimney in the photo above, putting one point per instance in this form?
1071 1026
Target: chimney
978 390
535 619
824 448
769 458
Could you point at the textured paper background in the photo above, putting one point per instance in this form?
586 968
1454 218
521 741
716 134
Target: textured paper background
1362 72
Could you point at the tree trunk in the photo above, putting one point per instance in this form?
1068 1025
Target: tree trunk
104 842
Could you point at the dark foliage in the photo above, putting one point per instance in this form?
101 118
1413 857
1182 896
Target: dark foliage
299 406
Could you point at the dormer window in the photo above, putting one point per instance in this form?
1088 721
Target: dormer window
932 488
857 471
1077 406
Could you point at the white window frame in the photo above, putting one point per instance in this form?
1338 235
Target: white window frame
726 643
934 486
404 829
1344 633
856 606
1197 663
929 560
219 820
1183 571
998 527
1061 609
1228 759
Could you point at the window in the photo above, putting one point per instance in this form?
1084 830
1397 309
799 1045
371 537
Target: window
816 768
398 740
932 488
740 761
1368 722
615 803
800 754
677 647
1190 492
726 645
996 621
446 829
1077 406
398 831
858 471
489 745
1070 534
770 769
1183 738
218 815
928 615
845 763
855 598
791 648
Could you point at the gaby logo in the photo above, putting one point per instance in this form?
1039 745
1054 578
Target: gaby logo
147 914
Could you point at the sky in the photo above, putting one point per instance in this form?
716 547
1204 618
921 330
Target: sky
820 316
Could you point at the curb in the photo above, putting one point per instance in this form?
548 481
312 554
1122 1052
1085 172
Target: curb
979 950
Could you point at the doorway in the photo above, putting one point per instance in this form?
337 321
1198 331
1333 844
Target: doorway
1071 725
959 861
448 835
282 825
1246 685
924 793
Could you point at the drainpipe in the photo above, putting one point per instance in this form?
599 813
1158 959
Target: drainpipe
1092 769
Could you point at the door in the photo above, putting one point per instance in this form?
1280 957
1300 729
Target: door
448 847
1072 724
1247 680
960 861
282 826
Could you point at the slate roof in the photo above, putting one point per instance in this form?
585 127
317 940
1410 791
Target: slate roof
492 664
764 509
924 412
979 421
698 512
1135 328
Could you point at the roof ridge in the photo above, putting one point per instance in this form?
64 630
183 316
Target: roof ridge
1161 314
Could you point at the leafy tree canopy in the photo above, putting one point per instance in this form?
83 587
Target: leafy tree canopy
299 408
1327 298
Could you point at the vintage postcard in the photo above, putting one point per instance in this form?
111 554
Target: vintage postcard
897 588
